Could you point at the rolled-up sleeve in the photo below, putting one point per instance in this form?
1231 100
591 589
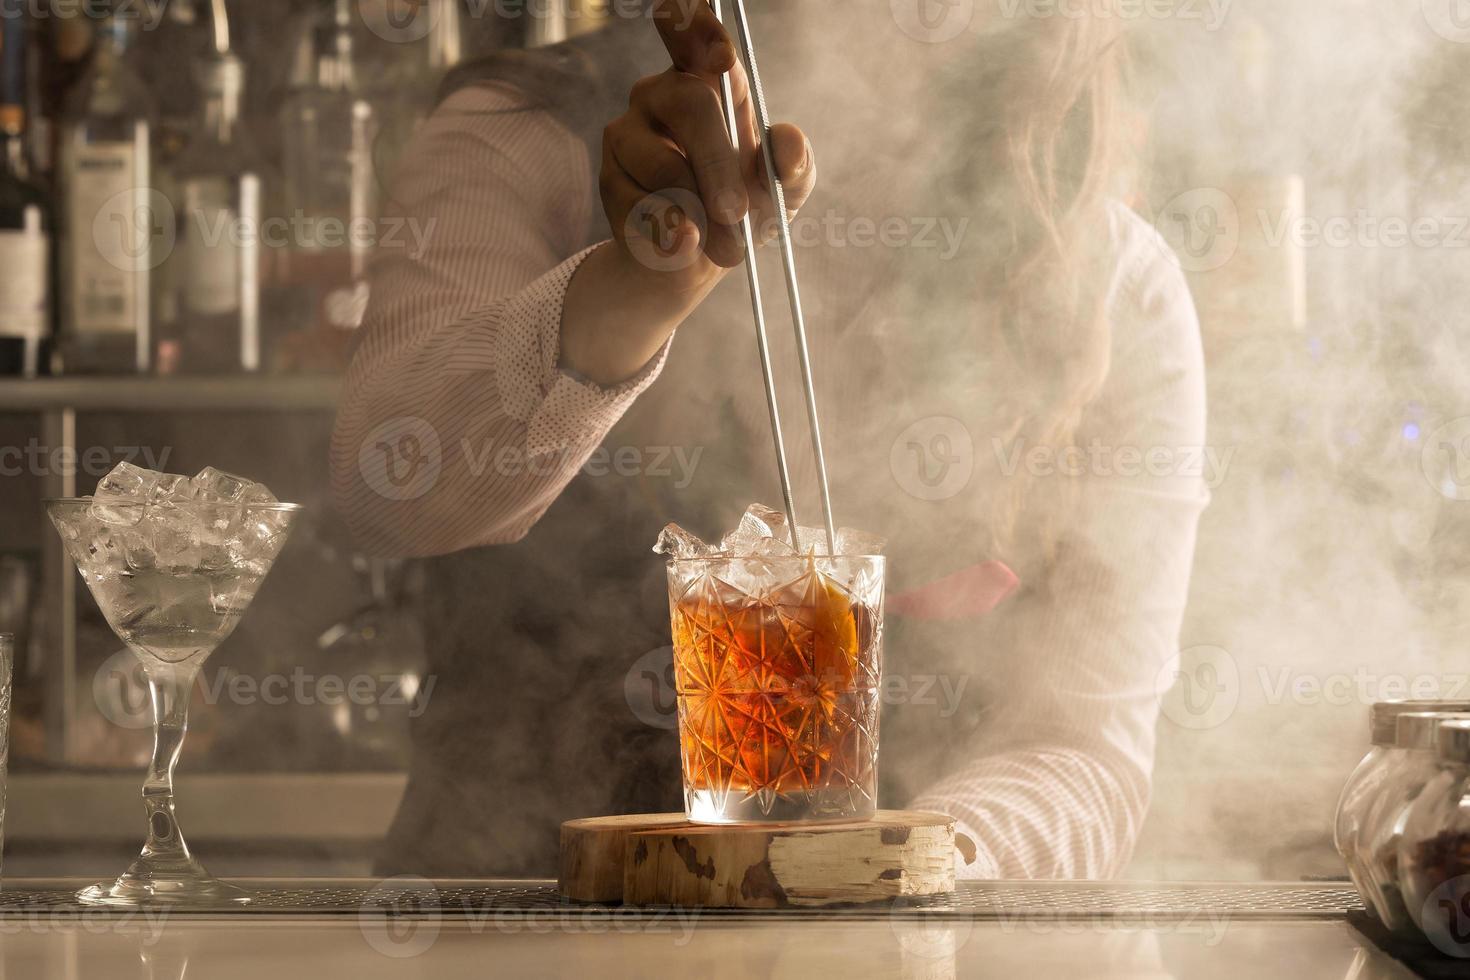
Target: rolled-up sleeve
457 428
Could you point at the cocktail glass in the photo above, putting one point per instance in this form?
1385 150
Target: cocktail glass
777 667
172 585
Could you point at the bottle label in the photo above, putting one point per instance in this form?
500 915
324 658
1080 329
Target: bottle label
110 231
222 255
25 259
212 238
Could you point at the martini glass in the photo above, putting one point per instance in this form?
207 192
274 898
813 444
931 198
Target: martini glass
173 582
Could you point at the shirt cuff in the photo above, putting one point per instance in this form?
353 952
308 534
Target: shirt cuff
561 411
972 859
972 862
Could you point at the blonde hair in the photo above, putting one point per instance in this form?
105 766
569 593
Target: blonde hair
1057 95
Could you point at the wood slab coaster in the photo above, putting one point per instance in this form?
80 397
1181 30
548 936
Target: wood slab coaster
592 850
663 859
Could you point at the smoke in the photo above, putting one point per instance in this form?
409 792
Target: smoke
1306 163
1326 575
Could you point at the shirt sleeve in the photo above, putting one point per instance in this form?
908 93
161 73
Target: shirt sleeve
457 428
1059 780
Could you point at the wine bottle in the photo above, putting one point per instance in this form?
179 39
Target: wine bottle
112 223
25 224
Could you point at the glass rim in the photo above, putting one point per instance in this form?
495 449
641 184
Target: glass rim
277 507
773 558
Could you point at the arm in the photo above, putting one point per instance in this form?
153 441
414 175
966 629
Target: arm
1060 781
457 427
494 360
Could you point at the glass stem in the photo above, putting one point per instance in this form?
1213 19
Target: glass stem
170 687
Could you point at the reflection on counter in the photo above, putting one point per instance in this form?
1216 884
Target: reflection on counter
571 945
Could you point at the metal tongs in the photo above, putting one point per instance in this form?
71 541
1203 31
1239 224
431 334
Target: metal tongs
793 293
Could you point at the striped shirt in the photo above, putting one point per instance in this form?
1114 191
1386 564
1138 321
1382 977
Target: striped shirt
460 350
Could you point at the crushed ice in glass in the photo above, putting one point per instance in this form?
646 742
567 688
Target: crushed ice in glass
173 561
764 532
178 523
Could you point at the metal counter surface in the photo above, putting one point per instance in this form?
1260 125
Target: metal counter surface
409 927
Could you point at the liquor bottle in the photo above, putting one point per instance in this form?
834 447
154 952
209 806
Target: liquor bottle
181 38
331 186
405 52
409 45
25 224
111 216
61 45
218 177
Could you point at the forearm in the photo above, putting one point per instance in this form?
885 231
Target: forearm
1043 813
505 404
465 435
618 315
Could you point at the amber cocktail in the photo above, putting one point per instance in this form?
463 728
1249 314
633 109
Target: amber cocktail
777 663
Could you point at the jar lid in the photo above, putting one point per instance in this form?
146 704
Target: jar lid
1452 741
1384 715
1416 729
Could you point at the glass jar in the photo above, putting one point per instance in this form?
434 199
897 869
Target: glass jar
1434 849
1383 826
1367 780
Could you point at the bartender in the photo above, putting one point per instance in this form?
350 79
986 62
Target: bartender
987 368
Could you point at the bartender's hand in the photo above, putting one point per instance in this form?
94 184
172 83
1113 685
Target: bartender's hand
674 190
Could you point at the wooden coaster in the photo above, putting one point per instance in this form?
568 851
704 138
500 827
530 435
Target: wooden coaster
663 859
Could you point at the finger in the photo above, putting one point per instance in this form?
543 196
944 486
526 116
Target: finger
745 141
655 164
745 127
652 161
638 202
695 38
690 112
653 229
796 163
669 14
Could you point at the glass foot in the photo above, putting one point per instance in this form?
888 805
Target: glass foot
194 887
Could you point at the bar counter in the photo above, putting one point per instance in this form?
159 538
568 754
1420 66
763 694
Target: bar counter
409 927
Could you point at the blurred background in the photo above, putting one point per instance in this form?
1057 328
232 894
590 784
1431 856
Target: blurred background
1306 159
